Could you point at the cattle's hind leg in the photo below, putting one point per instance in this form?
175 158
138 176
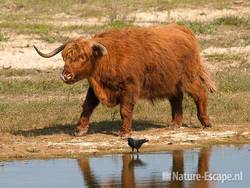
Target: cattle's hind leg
176 107
127 103
198 93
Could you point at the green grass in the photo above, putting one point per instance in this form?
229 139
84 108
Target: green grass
26 102
233 81
246 40
199 27
24 19
2 37
47 32
26 115
229 57
17 72
47 6
233 21
26 86
212 26
17 82
226 38
40 6
51 33
27 28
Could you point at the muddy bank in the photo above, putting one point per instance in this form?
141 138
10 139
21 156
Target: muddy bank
65 145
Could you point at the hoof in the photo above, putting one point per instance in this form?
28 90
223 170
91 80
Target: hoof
124 134
207 126
174 125
185 125
80 131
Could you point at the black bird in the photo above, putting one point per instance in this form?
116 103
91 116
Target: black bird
136 143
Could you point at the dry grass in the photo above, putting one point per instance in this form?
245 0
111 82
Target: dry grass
33 100
35 17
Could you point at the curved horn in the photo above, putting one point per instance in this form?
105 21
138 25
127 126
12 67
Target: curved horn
54 52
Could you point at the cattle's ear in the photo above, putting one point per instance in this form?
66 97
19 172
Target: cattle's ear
98 49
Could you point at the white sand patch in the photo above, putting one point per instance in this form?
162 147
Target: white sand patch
92 145
184 136
213 134
214 50
188 14
190 136
18 52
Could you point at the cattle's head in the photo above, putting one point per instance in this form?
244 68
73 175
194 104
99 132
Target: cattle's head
79 56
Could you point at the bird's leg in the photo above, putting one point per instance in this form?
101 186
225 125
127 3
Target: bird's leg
132 150
137 150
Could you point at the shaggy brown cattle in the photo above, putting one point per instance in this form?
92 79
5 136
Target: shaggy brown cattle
123 66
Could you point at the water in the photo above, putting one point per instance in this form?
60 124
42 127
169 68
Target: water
165 169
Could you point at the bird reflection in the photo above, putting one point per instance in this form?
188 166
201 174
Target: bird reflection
135 162
131 162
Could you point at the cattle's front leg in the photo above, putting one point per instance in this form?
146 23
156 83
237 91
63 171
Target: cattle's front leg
126 111
99 91
90 103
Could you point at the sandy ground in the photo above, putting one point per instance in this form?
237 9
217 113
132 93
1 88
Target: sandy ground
18 52
188 14
64 145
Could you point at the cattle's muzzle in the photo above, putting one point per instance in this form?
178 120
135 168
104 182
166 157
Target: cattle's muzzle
67 77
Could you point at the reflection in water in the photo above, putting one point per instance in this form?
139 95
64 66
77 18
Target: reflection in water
89 177
203 167
144 170
130 163
177 166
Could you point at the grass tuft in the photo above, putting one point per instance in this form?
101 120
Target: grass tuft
199 27
2 37
229 57
233 21
233 81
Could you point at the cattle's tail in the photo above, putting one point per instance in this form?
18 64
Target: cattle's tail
207 79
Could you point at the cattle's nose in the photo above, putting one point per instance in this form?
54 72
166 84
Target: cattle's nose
66 76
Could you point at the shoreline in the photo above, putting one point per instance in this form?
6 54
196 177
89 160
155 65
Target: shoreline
97 144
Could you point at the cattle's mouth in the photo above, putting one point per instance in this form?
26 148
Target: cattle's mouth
68 78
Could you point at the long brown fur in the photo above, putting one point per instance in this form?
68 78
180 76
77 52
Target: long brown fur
151 63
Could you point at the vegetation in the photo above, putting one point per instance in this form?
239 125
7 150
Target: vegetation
2 37
32 99
31 96
227 57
